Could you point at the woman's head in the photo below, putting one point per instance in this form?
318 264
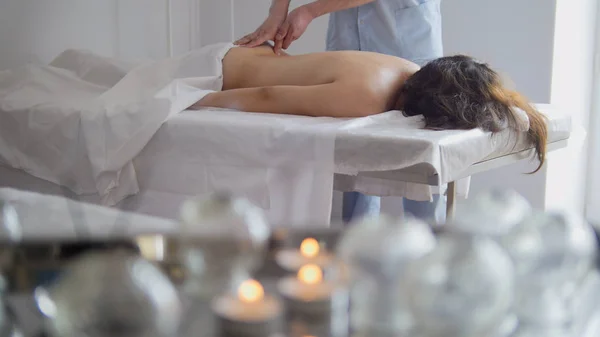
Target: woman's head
458 92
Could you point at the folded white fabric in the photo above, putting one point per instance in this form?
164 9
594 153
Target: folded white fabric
282 163
124 118
81 120
93 68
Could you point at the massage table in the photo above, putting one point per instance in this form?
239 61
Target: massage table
98 130
560 130
385 155
418 175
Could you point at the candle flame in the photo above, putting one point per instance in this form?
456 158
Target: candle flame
309 247
310 274
250 291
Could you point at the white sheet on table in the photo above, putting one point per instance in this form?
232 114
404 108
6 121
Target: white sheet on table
78 124
283 164
391 141
384 142
46 217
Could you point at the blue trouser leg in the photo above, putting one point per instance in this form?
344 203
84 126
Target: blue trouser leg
434 211
356 205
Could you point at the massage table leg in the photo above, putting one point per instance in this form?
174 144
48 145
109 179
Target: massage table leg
450 201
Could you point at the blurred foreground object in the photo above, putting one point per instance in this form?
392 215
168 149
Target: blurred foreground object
111 294
248 311
10 227
492 213
223 239
464 288
10 235
378 253
553 252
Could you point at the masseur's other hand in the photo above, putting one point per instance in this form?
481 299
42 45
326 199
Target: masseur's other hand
264 33
293 27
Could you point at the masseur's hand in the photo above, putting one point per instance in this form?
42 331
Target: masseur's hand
265 32
293 27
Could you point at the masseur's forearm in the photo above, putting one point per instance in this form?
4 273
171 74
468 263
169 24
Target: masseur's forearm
322 7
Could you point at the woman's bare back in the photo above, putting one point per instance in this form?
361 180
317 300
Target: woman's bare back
337 84
260 66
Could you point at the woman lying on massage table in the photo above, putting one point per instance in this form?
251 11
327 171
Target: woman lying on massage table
455 92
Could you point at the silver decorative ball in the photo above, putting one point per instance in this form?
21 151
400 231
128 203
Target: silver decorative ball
378 252
223 239
493 213
553 251
552 246
384 247
463 288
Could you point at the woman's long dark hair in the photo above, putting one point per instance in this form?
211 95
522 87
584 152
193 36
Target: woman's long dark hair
458 92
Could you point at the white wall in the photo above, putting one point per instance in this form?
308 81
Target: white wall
593 201
571 90
38 30
514 36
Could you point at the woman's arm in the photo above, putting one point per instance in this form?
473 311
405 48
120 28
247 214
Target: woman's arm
325 100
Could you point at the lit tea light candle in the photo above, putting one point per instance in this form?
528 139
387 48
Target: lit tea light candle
248 312
310 247
308 294
310 252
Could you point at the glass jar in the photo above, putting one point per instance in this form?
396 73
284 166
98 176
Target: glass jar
493 213
223 239
377 253
463 288
553 252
